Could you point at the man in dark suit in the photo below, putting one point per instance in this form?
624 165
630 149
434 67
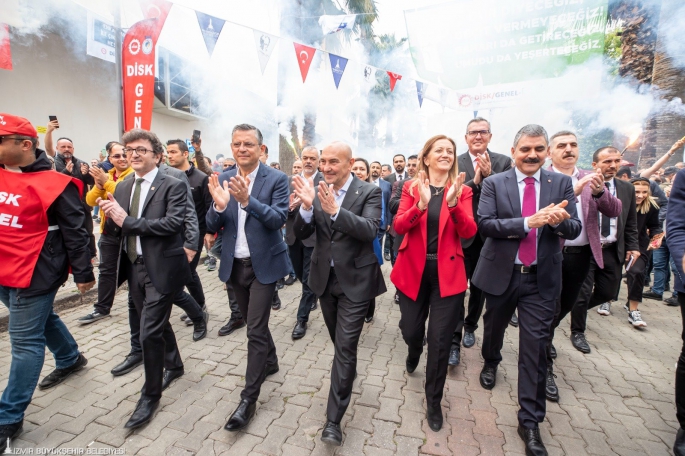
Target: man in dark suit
147 213
301 250
345 213
251 205
675 236
399 163
478 163
523 213
386 189
618 237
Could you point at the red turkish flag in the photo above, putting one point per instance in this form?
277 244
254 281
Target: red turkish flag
5 48
305 55
138 64
394 77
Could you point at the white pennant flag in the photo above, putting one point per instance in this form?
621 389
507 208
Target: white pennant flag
333 24
265 46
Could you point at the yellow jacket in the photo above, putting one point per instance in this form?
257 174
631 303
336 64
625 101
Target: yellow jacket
109 186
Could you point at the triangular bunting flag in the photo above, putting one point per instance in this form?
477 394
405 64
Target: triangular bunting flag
155 9
305 55
419 91
333 24
210 27
265 46
394 77
338 65
5 48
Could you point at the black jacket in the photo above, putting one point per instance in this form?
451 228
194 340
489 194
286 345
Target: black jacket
199 187
87 179
67 246
648 226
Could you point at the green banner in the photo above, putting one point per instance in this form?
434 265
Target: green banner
466 43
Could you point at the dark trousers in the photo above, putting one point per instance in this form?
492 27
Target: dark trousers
636 277
680 371
254 299
344 320
108 282
156 335
574 270
476 295
233 303
88 225
535 315
134 324
301 256
444 315
195 285
600 286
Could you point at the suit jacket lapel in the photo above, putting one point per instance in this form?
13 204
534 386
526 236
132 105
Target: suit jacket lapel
259 180
545 188
466 166
352 193
153 189
126 189
513 192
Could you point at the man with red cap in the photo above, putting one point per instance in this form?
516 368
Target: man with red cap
41 227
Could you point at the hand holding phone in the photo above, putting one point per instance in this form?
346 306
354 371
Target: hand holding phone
53 124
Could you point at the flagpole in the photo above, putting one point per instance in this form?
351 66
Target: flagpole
119 69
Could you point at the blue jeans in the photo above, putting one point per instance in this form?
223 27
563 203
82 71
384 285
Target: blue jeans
33 325
662 260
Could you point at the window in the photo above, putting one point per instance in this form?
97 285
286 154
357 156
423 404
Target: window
177 83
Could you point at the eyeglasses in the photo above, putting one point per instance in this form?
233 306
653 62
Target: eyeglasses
138 150
2 138
479 132
248 145
118 156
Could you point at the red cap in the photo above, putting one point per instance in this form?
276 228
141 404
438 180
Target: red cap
15 125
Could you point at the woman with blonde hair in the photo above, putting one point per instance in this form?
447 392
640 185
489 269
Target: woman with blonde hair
650 235
435 213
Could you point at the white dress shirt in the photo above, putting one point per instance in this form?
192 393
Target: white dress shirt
242 250
582 239
144 189
339 197
400 177
522 187
613 227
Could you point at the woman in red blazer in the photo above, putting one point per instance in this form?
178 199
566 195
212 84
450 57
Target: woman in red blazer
435 212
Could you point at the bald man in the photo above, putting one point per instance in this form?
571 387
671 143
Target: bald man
345 214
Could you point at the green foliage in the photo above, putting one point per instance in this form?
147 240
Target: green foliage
613 50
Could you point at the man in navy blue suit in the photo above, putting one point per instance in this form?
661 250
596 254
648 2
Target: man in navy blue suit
386 190
675 237
251 205
523 213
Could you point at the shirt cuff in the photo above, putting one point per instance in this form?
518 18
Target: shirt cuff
306 215
335 216
217 210
525 224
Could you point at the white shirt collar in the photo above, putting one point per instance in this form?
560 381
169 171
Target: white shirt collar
610 183
149 177
252 174
346 186
575 173
520 176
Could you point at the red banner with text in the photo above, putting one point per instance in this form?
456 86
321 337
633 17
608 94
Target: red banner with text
5 48
138 64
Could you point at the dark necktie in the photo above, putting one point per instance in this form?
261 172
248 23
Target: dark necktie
606 221
528 247
131 249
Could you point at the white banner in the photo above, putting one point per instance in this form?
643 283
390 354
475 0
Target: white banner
265 46
101 38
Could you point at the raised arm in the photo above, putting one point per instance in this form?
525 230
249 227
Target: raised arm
662 161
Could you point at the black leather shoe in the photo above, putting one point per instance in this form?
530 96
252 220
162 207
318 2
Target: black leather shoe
579 342
454 358
514 321
57 376
469 339
280 284
200 327
142 414
276 305
412 363
552 352
551 390
386 257
170 376
184 317
651 295
9 432
368 319
332 433
131 361
678 446
300 330
271 369
488 377
290 280
314 306
231 326
434 416
92 317
241 416
531 437
672 301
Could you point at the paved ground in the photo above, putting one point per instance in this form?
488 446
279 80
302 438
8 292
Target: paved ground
618 399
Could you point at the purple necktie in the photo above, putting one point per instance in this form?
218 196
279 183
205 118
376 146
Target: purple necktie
527 249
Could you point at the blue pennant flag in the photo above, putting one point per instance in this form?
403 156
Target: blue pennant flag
420 87
338 65
210 27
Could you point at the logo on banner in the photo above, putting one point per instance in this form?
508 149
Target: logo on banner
134 47
265 46
305 55
338 65
368 73
264 42
465 101
210 27
147 46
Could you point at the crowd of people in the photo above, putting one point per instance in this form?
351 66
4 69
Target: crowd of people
531 243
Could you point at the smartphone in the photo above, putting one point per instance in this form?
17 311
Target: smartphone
630 263
196 136
53 119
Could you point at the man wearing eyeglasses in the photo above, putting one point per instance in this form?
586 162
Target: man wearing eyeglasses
147 212
478 163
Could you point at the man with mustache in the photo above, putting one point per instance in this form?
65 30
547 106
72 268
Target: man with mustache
592 202
618 238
